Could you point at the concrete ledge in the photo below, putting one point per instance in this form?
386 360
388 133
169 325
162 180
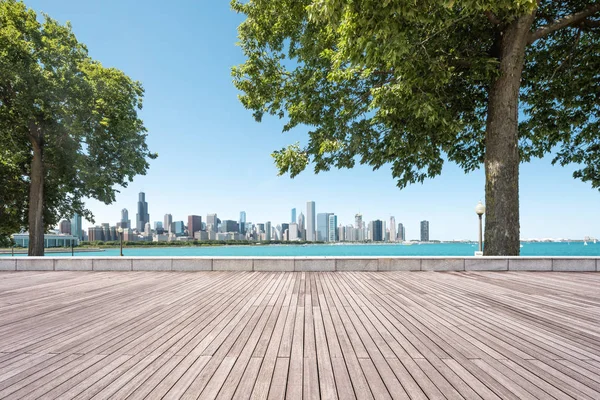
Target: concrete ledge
8 264
112 264
73 264
486 264
35 264
232 264
301 264
399 264
191 264
314 264
442 264
529 264
573 264
266 264
151 264
356 265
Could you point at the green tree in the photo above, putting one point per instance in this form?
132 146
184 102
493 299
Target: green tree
417 83
69 127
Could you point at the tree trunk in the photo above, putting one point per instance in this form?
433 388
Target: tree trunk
36 198
502 143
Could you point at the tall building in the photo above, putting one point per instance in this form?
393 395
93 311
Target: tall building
293 215
322 225
332 232
268 231
212 222
393 235
342 233
142 213
76 229
148 229
65 227
194 224
358 224
310 221
293 232
125 222
106 232
261 228
375 230
228 225
301 227
177 227
158 225
168 220
424 231
242 222
383 231
95 234
401 232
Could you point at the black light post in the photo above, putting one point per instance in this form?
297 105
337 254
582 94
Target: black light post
480 210
120 230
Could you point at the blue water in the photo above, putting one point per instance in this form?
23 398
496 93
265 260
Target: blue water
434 249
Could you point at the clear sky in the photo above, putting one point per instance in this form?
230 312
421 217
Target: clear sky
213 157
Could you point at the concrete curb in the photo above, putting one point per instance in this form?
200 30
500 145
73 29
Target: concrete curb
301 264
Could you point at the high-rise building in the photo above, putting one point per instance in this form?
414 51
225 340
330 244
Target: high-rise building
228 225
322 226
293 232
65 227
310 221
125 223
106 232
285 227
148 229
342 233
95 234
293 215
177 227
424 231
260 228
375 230
268 231
332 232
383 231
142 216
301 227
168 220
242 224
212 222
158 225
194 224
76 229
401 232
393 235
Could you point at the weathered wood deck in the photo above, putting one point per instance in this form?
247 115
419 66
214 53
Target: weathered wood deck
510 335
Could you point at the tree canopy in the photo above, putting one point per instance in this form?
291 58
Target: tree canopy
410 84
69 127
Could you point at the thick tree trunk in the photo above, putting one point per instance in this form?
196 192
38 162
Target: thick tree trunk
502 143
36 199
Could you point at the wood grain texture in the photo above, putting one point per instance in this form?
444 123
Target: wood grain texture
300 335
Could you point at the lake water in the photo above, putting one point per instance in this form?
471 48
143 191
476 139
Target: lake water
433 249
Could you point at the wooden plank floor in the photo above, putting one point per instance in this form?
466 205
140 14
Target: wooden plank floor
207 335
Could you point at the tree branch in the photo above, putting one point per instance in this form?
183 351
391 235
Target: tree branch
563 22
492 18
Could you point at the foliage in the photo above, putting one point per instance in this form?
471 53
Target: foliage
406 83
83 114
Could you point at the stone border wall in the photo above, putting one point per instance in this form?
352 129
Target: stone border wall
579 264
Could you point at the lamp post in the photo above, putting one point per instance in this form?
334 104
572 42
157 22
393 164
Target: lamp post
120 230
480 210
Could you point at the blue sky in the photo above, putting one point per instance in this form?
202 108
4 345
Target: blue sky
213 157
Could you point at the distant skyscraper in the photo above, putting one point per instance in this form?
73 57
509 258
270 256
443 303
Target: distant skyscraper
194 224
293 232
142 215
65 227
322 227
268 230
310 221
212 222
424 231
332 228
358 226
106 232
228 225
125 223
393 236
301 227
177 227
242 223
401 233
76 229
383 231
158 225
375 230
293 215
148 229
167 222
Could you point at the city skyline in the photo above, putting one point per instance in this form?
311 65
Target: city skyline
119 35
